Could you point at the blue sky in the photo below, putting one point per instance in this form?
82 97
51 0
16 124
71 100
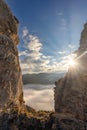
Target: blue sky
49 32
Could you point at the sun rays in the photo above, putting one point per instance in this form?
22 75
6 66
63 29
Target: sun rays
72 63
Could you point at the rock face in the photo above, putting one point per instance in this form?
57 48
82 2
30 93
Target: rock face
83 40
11 93
71 92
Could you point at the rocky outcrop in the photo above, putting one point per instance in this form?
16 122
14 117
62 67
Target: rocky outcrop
83 40
8 23
71 92
23 122
11 93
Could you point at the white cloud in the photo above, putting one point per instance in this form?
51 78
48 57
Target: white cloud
34 44
42 99
22 53
71 46
66 60
67 57
25 32
34 61
62 52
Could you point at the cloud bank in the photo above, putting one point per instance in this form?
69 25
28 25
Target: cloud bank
40 97
33 60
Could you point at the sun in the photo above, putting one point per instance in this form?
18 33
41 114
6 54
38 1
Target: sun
72 62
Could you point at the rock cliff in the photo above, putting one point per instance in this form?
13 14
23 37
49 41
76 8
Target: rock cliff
71 92
11 93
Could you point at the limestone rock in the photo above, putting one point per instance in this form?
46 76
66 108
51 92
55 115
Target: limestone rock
8 22
71 92
83 40
11 93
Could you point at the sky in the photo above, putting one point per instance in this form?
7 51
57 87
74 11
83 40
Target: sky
49 32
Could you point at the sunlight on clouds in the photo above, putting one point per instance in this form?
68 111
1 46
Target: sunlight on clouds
32 59
23 53
34 44
35 55
68 60
67 57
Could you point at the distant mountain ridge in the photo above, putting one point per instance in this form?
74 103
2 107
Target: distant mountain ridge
42 78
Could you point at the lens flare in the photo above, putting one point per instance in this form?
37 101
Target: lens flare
72 62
